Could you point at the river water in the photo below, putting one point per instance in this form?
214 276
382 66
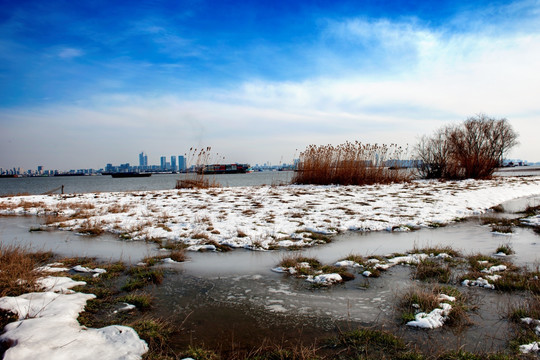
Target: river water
105 183
84 184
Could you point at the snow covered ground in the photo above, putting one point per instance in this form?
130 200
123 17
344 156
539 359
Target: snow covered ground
47 327
267 217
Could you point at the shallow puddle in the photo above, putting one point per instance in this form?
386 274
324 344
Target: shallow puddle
15 230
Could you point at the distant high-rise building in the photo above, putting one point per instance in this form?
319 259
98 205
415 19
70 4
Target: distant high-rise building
173 163
163 163
143 159
181 163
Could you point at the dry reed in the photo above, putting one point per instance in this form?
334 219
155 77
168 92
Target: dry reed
17 269
350 164
196 159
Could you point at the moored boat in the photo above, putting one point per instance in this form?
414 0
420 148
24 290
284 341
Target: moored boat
224 169
128 174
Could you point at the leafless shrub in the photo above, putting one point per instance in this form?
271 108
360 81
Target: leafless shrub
473 149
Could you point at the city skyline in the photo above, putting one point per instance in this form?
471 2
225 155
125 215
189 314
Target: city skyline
176 163
257 81
164 166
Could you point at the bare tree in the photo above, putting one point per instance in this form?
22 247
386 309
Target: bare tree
473 149
434 155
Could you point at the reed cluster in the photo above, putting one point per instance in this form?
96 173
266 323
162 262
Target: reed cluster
351 163
196 159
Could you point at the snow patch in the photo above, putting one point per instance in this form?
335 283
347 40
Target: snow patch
530 348
48 326
325 279
480 282
436 317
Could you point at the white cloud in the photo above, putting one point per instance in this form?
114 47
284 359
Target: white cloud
450 78
70 53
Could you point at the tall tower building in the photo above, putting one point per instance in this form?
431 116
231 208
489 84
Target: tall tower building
173 163
143 159
181 163
163 163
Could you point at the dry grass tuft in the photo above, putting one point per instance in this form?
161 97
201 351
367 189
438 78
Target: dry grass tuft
359 259
156 332
17 269
296 261
198 183
178 255
437 250
528 308
89 227
427 299
429 270
117 209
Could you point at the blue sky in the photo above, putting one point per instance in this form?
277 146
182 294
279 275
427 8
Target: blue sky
83 83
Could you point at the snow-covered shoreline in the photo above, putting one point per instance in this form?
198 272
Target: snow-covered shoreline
268 217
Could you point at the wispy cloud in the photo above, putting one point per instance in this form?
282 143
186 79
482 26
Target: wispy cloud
356 78
70 53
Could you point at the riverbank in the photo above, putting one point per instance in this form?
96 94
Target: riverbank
232 304
268 217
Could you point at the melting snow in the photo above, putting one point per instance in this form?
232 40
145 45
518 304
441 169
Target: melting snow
269 216
436 317
325 279
48 327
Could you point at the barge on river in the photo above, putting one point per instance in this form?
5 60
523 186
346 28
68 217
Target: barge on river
224 169
128 174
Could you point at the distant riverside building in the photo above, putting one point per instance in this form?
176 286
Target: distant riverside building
181 163
173 163
143 160
163 163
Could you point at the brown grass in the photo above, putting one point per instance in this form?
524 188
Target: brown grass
426 299
295 260
117 208
198 183
429 270
529 307
74 206
437 250
349 164
55 218
91 228
156 332
178 255
356 258
17 269
197 180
